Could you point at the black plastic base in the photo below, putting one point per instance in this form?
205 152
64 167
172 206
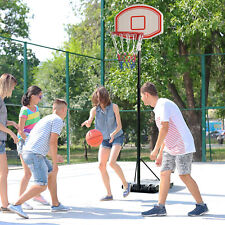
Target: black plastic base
147 186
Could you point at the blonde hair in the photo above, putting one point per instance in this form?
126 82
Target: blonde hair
7 83
59 103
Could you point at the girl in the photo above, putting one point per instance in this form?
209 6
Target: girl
7 84
107 120
29 116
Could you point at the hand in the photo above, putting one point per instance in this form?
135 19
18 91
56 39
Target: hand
111 138
14 137
87 123
15 125
158 160
153 154
60 159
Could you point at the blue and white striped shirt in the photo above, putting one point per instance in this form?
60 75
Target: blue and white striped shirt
39 137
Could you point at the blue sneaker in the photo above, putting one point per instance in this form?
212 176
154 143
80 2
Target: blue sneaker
59 208
127 191
156 211
18 210
199 210
107 198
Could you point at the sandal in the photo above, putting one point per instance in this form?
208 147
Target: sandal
5 210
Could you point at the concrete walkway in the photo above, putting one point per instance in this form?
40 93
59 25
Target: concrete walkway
80 187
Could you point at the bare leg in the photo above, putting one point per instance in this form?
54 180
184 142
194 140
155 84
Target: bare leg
164 186
192 187
52 186
26 177
103 156
30 193
3 180
112 162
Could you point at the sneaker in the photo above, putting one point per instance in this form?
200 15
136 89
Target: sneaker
107 198
59 208
156 211
18 210
199 210
26 206
127 191
41 200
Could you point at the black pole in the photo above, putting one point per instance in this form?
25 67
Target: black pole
138 122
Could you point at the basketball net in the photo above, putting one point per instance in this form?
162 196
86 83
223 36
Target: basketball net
127 45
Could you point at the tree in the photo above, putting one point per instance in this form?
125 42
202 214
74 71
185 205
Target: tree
190 27
13 24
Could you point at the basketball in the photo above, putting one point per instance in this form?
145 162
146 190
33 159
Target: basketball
94 137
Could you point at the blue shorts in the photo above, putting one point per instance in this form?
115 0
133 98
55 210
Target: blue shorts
39 165
2 147
117 141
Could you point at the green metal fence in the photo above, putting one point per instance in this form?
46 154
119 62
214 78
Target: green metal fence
73 110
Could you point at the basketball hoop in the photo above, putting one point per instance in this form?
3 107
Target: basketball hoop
127 45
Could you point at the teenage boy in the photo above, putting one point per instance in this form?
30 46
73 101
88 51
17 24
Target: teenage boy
174 148
43 140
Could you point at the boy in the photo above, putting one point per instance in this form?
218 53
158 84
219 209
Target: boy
43 140
176 146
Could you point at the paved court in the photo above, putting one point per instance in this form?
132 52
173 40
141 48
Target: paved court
80 187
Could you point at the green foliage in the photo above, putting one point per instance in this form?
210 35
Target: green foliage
13 16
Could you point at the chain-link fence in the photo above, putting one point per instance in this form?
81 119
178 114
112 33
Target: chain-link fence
65 74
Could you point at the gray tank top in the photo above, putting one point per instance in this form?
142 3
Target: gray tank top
3 119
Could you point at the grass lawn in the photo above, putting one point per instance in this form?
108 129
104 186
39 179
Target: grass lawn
77 155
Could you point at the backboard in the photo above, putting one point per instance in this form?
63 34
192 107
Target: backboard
140 18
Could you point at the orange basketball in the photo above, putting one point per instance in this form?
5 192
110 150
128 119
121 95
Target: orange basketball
94 137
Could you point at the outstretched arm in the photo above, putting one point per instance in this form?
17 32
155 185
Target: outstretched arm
88 122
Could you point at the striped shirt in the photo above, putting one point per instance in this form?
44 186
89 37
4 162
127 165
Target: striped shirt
32 117
39 137
178 140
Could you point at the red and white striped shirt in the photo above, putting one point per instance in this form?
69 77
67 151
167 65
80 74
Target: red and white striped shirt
179 140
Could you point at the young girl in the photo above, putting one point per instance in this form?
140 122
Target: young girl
107 120
7 84
29 116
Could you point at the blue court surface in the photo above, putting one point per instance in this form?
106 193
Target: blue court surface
80 187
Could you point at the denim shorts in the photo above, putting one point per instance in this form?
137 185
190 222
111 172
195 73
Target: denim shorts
2 147
117 141
39 165
182 162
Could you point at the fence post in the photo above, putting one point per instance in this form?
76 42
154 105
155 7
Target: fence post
25 67
102 43
68 110
203 109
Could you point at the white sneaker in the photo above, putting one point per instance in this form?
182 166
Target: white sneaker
26 206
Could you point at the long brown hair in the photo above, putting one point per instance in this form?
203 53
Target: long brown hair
7 83
101 96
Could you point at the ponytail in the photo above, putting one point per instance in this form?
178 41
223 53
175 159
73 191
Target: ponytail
32 90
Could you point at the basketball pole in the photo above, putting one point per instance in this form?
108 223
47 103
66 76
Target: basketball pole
148 186
139 122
